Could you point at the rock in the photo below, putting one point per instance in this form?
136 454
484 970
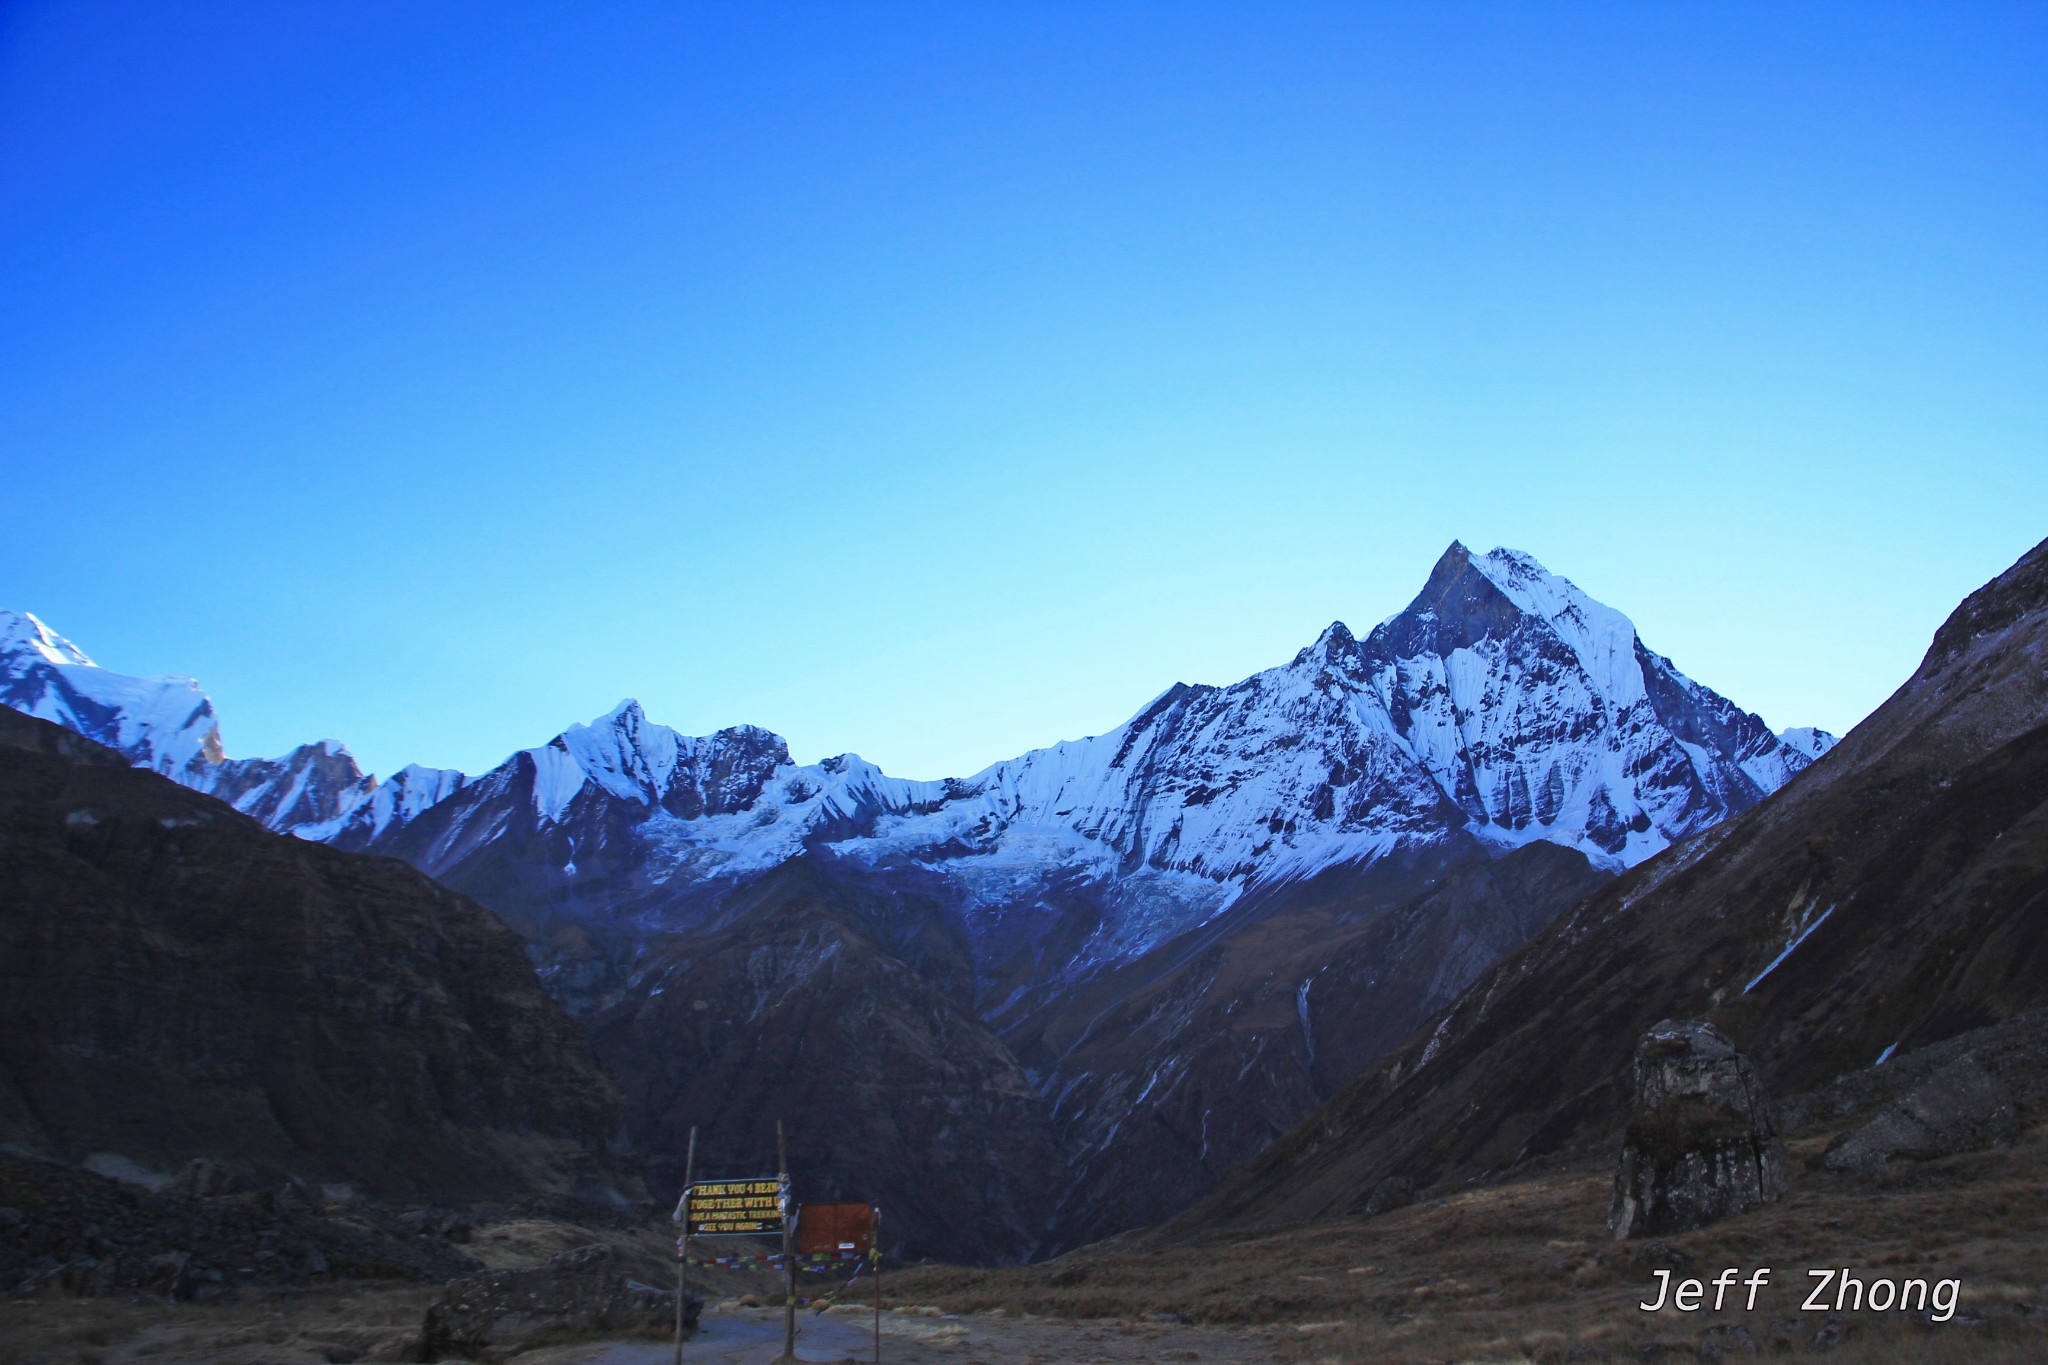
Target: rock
1395 1192
1718 1342
443 1223
205 1178
398 1346
297 1192
172 1246
1661 1253
169 1274
1701 1142
577 1293
1960 1108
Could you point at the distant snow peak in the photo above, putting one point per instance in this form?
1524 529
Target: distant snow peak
1335 641
164 723
22 632
627 756
1806 739
167 724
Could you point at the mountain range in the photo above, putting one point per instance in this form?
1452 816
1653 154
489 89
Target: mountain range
1104 975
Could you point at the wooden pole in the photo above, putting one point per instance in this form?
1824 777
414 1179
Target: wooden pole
683 1246
875 1248
788 1260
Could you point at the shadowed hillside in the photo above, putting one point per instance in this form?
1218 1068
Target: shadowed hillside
177 981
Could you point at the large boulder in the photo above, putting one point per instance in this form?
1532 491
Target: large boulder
578 1293
1701 1142
1960 1108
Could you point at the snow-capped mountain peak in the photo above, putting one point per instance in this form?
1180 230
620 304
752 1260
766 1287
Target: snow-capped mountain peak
1601 638
626 756
168 724
622 751
1807 740
165 723
22 634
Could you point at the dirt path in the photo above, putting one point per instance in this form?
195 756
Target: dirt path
753 1336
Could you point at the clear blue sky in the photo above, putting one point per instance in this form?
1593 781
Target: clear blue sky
939 381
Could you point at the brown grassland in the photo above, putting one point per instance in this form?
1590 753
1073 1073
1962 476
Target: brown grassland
1522 1270
1525 1270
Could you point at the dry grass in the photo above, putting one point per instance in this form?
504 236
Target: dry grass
1525 1271
289 1327
1522 1271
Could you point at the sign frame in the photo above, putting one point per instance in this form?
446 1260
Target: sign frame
749 1206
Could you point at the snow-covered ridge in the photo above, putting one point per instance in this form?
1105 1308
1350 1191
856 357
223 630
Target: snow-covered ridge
1503 703
1805 739
22 635
167 724
163 723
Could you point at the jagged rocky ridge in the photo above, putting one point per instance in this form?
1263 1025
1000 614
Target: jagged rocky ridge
1184 933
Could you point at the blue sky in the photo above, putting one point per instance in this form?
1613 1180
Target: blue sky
939 381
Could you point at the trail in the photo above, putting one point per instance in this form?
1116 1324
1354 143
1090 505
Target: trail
754 1337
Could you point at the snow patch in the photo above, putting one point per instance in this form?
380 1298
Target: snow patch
1802 936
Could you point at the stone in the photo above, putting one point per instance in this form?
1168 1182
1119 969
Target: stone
1702 1143
1960 1108
169 1274
1395 1192
578 1293
205 1178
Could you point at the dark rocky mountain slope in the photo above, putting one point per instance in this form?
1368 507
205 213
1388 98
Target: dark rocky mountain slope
1185 1064
800 1009
177 981
1893 896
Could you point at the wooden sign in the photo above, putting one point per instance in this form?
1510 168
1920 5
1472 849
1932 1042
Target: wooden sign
835 1229
736 1208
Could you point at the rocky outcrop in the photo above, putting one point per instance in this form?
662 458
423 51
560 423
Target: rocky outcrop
178 982
579 1293
71 1231
1961 1108
2013 1053
1395 1192
1701 1143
